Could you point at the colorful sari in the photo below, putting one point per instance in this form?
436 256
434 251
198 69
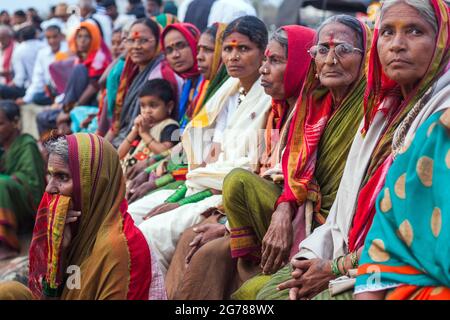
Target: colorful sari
22 183
249 226
112 255
406 249
383 96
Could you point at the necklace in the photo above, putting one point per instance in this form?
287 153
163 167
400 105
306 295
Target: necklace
242 95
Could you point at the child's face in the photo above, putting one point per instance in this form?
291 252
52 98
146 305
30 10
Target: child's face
154 110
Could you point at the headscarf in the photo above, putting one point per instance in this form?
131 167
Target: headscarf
313 111
218 74
191 34
383 95
98 57
300 39
112 254
165 19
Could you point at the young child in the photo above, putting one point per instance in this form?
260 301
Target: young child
154 128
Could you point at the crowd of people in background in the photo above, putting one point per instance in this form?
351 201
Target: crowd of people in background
186 153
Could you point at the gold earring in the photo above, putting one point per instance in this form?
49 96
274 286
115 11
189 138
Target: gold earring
317 76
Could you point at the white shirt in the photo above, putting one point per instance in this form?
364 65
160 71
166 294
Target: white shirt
223 11
123 20
41 73
23 61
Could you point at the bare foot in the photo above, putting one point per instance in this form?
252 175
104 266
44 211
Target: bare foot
7 253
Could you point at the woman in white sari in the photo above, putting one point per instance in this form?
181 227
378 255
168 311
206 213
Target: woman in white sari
224 136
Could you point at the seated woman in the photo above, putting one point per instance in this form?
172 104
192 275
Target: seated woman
239 108
412 215
93 57
154 128
22 179
143 63
408 81
282 76
171 172
83 221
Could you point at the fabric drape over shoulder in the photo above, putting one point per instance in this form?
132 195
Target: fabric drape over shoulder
408 243
112 254
388 121
313 111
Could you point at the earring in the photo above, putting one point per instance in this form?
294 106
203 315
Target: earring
317 76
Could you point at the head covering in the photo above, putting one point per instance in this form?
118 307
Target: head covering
218 75
191 34
300 39
313 111
112 253
99 56
383 95
165 19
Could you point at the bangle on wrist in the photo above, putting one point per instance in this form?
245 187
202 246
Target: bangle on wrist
335 268
344 271
354 259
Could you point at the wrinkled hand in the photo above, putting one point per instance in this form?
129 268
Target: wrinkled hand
162 208
138 168
277 242
309 278
140 191
206 232
72 217
139 180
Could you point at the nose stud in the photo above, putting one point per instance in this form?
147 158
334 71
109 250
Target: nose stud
334 61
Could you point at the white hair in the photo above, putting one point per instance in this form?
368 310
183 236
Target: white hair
58 147
423 6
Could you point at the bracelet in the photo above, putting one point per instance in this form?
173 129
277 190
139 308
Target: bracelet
354 259
334 267
178 195
343 265
152 167
164 180
196 197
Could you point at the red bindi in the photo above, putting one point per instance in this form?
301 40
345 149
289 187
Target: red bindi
136 34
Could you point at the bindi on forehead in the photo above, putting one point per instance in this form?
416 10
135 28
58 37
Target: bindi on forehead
136 35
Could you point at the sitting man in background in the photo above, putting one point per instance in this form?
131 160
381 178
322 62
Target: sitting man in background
41 90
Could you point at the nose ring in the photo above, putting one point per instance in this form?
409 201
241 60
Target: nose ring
265 70
334 61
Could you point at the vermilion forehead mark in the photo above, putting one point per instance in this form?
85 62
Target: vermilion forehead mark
267 53
331 42
136 34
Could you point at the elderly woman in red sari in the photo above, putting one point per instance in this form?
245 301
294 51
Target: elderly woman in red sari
408 81
85 244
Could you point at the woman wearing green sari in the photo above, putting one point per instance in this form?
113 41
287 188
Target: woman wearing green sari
327 117
22 179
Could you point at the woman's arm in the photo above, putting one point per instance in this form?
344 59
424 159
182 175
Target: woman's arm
155 146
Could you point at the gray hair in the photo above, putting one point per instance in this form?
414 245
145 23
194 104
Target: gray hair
280 36
348 21
59 147
424 7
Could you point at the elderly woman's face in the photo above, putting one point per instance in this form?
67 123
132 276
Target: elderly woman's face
141 44
273 69
178 52
59 176
338 72
405 45
205 56
241 56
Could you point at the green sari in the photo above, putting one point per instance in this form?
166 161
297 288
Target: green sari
22 184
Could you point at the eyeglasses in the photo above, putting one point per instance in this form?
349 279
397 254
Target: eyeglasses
175 47
138 41
342 50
